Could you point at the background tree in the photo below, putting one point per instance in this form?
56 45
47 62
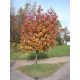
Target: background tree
59 24
33 8
59 39
20 16
27 8
14 30
39 31
12 21
66 34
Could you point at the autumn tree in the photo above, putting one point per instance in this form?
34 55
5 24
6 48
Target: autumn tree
21 13
39 31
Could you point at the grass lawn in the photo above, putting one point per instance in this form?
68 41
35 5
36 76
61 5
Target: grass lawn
40 70
57 51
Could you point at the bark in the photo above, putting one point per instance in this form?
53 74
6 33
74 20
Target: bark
36 58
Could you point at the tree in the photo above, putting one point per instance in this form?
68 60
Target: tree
33 8
12 21
14 27
39 31
27 8
20 16
59 24
66 33
22 12
59 39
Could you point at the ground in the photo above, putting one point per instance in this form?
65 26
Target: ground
20 63
62 74
57 54
40 70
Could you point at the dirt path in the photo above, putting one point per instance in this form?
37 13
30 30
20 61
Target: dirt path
17 75
20 63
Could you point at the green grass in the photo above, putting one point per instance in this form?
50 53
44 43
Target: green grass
57 51
40 70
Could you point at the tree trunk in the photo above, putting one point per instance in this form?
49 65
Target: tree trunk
15 44
36 57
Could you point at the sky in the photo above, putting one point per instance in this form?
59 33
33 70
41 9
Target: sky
61 7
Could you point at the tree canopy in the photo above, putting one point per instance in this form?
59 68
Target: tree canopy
39 31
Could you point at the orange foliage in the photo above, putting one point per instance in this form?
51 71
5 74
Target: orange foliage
39 31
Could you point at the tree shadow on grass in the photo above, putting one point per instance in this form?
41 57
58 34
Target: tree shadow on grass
41 55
